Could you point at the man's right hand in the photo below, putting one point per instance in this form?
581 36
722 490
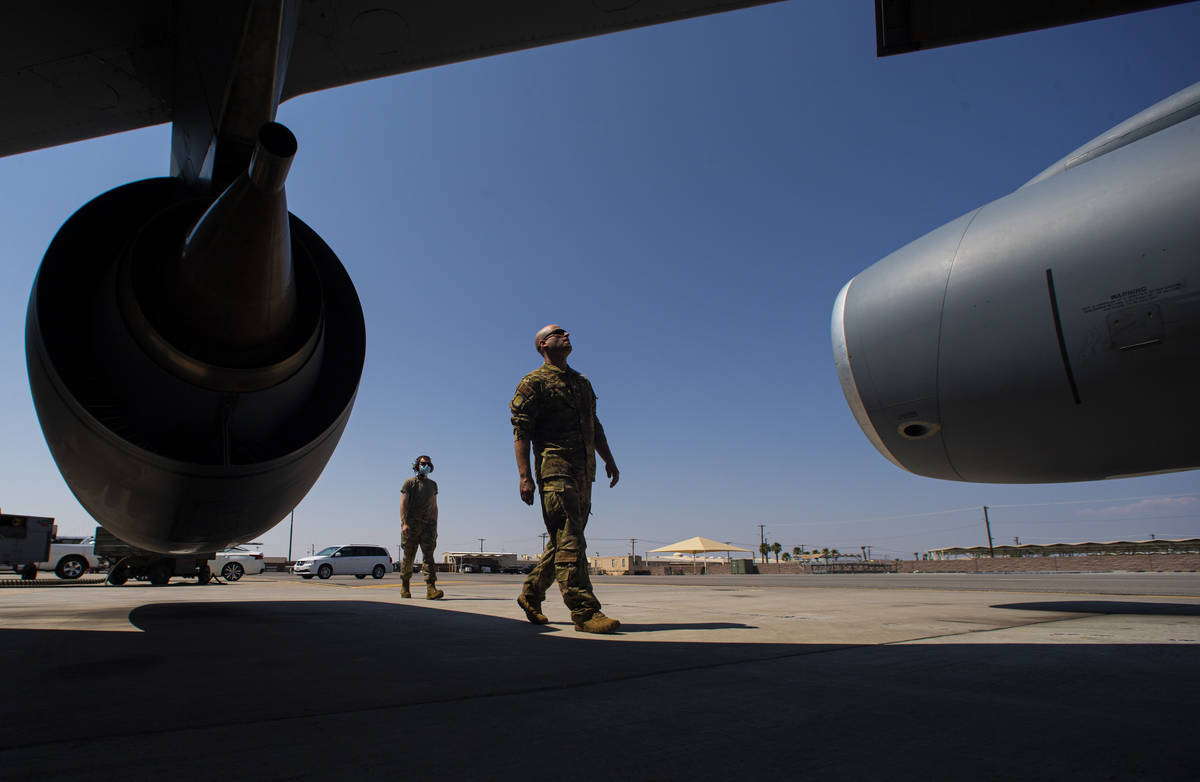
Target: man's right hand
527 489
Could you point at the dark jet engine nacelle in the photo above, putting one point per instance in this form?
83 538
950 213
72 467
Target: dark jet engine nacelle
193 362
1052 335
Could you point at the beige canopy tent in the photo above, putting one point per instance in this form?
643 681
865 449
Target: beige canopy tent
697 545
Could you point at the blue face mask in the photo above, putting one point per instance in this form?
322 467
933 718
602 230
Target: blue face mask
425 469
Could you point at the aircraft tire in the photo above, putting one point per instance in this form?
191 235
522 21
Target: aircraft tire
158 574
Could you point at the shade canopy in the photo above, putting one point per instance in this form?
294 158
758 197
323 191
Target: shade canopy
698 545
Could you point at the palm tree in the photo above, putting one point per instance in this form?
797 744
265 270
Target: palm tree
835 554
787 557
825 554
775 549
797 550
764 548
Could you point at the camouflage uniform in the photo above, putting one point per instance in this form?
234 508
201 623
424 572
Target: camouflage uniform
555 409
422 528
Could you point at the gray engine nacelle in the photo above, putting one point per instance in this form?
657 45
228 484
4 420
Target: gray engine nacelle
1052 335
193 362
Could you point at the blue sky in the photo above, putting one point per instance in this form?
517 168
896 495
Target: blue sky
687 199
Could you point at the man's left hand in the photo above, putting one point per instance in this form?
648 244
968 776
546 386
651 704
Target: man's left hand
612 472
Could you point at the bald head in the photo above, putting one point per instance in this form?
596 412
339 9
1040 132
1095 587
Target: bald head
552 337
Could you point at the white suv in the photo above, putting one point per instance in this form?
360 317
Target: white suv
358 560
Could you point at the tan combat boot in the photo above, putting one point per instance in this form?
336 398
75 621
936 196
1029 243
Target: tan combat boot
404 591
433 593
532 612
599 623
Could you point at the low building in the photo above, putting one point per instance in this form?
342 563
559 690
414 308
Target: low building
677 564
1111 547
487 562
618 566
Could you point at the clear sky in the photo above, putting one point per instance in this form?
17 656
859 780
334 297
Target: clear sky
687 200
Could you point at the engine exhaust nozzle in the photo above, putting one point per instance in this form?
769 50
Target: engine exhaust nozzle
220 300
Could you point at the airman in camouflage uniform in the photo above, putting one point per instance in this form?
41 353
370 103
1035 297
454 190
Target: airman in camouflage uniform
554 410
418 526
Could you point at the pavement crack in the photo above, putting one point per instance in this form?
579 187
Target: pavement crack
988 629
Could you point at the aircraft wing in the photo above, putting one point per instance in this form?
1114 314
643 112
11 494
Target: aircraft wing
75 69
910 25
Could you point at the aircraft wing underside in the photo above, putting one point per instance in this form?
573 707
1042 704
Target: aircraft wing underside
76 69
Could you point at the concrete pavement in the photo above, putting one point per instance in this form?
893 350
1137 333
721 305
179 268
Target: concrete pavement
274 677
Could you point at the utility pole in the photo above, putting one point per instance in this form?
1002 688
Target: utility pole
291 527
762 538
544 535
988 524
481 544
632 551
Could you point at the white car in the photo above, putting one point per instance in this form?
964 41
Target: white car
236 561
359 560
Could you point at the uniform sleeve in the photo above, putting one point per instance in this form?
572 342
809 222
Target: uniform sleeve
524 411
404 488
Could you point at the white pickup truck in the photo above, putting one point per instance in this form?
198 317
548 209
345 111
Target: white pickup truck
71 557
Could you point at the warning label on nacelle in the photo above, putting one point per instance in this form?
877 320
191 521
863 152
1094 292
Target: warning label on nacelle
1129 298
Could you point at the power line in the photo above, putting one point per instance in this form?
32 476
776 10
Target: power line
1106 520
972 525
946 511
1093 502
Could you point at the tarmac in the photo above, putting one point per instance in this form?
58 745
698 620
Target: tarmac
896 676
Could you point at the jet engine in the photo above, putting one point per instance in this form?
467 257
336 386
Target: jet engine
193 361
1052 335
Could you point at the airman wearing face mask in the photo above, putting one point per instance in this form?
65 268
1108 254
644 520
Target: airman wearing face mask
418 526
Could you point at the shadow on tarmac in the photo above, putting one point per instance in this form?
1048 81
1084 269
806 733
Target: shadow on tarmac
627 628
318 689
1108 607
